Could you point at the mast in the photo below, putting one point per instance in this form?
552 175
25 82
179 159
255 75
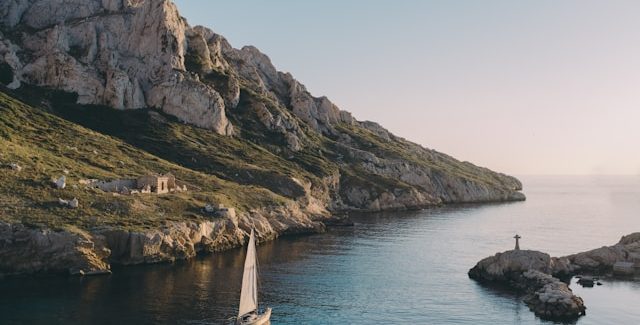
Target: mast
249 293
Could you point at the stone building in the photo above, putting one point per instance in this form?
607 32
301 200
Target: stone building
152 183
158 184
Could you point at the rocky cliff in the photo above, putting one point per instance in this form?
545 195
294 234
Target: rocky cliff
136 71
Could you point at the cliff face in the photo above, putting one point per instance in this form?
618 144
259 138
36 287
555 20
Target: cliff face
124 54
185 96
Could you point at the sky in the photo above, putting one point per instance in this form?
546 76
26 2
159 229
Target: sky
522 87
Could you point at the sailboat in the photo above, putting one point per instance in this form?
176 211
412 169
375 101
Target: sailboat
248 313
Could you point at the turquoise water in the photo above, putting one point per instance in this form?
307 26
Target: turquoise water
393 268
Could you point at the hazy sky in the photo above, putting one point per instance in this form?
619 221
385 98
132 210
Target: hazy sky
523 87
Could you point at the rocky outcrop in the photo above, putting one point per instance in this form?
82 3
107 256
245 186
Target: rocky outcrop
184 240
551 298
507 267
537 274
176 241
601 260
26 250
121 53
529 271
134 54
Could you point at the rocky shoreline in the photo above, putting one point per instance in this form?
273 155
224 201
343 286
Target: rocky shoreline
543 278
28 250
25 250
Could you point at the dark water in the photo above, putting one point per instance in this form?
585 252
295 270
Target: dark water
398 268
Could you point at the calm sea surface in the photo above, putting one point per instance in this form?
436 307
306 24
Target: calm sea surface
394 268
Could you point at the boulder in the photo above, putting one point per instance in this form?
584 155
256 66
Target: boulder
60 183
73 203
69 203
551 298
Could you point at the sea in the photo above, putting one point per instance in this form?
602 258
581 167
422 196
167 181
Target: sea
389 268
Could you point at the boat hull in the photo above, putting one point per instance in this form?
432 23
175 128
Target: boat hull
260 320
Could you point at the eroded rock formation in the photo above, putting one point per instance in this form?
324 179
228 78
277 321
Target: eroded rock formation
124 54
25 250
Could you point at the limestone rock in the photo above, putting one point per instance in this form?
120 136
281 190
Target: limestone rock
603 259
127 54
509 265
177 241
256 68
533 272
24 250
69 203
73 203
206 106
61 182
630 239
529 271
552 298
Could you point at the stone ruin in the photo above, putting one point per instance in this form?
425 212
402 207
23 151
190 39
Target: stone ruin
153 183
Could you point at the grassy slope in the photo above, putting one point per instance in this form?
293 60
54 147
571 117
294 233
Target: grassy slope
45 145
133 143
236 159
411 152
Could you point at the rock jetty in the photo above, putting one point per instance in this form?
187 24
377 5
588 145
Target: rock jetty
551 298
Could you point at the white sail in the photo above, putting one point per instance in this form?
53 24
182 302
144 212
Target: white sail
249 293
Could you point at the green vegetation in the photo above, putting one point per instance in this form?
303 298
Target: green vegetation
47 133
229 158
412 153
46 145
